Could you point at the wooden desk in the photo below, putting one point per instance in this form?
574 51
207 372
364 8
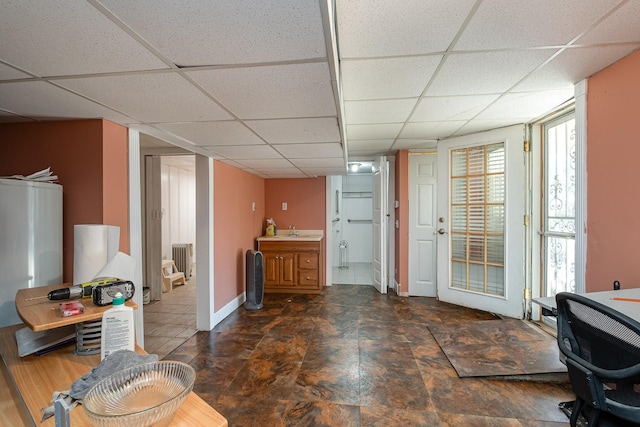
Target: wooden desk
628 308
42 314
37 377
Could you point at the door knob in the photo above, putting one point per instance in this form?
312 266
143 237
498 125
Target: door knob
441 231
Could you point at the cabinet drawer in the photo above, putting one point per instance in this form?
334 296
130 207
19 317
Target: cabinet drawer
308 278
308 261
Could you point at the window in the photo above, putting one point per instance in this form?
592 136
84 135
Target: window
559 205
478 218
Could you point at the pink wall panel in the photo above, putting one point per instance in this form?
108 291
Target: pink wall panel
402 215
74 151
115 180
236 227
613 151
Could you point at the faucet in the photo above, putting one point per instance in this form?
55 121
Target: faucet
292 230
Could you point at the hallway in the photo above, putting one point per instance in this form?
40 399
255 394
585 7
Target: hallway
353 357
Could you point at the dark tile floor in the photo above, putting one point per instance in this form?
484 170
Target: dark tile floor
353 357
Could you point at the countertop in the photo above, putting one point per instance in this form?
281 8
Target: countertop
29 382
303 236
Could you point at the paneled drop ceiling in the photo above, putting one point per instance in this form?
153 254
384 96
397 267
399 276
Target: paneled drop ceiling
296 88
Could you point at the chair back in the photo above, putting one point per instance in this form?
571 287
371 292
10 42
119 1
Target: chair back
602 349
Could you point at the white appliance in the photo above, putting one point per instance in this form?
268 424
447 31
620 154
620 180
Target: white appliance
30 240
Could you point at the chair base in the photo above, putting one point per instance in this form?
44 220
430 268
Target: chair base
605 419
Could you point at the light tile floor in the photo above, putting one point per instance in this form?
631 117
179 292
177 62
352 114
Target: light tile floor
357 273
170 322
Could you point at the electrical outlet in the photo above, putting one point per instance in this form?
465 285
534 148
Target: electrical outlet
284 206
253 206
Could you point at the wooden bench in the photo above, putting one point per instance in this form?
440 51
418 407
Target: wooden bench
171 275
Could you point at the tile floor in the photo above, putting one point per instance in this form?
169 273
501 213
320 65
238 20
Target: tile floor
356 273
171 321
352 357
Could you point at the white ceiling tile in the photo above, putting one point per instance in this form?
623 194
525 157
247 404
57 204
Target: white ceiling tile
257 163
571 66
10 73
523 107
476 126
213 133
335 162
517 23
42 100
382 111
310 151
12 118
451 107
67 37
485 72
388 77
415 144
430 130
204 32
325 171
232 163
372 144
164 97
281 173
242 152
389 28
290 131
279 91
376 131
620 26
168 137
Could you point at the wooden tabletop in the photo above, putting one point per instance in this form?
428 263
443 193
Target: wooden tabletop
40 314
37 377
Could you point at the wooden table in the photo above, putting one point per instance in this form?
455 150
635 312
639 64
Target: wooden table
629 308
42 314
30 381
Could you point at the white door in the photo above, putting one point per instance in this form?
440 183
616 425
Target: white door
481 203
380 224
422 224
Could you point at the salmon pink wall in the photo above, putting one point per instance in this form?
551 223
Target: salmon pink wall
235 228
115 179
75 150
306 205
305 198
402 215
613 223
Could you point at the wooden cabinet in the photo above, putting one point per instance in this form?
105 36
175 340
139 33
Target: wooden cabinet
292 266
279 269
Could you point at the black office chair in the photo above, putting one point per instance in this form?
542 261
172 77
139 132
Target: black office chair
602 349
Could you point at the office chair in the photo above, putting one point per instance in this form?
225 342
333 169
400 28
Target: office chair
602 349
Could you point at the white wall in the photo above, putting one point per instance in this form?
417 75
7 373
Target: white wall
178 207
357 204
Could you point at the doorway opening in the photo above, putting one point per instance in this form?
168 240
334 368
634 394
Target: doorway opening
351 236
168 200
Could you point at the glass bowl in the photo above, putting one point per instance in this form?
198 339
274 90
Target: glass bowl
147 394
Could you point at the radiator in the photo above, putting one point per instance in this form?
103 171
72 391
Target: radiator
182 256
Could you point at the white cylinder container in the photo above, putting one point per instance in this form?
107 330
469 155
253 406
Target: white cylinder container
118 328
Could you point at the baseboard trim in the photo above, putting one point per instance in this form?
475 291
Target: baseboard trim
229 308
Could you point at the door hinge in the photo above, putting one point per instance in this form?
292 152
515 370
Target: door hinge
526 220
526 146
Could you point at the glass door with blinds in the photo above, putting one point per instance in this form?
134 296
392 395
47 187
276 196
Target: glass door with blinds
559 206
481 231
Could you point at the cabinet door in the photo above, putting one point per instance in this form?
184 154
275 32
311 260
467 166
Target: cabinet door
287 270
271 270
